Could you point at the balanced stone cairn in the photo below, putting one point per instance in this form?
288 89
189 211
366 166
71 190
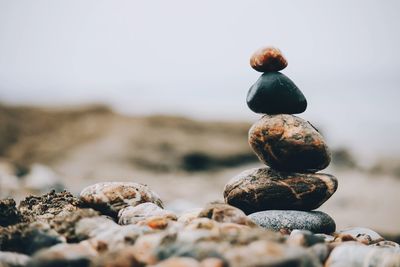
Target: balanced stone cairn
282 195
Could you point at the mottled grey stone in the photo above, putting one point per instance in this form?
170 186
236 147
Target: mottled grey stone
314 221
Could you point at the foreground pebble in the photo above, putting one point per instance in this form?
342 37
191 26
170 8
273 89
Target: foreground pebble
289 143
261 189
110 197
27 238
13 259
48 206
262 253
221 212
143 212
363 235
276 220
354 254
64 255
60 232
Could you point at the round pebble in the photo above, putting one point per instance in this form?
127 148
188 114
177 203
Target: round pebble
268 59
289 143
110 197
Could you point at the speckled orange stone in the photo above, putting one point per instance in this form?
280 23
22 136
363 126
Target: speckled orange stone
288 143
268 59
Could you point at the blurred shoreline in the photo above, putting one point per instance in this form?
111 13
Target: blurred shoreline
186 161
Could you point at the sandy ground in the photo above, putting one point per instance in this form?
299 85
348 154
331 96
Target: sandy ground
361 199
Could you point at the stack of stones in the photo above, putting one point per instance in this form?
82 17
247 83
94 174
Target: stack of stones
282 195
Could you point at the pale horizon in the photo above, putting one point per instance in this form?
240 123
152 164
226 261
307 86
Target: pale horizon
191 60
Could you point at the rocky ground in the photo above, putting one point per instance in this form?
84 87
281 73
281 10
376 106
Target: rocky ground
124 224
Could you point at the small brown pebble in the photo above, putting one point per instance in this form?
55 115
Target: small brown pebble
268 59
157 222
225 213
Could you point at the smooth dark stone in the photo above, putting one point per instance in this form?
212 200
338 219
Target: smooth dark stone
261 189
314 221
275 93
289 143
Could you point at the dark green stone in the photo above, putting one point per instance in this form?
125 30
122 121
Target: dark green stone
275 93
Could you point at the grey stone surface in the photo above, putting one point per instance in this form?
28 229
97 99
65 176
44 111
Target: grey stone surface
358 255
314 221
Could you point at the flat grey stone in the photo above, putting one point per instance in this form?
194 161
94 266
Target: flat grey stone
314 221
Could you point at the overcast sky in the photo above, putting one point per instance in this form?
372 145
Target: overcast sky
191 58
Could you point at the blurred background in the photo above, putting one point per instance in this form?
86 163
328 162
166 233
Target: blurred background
154 92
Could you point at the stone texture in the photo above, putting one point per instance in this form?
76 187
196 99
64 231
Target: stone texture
212 262
77 255
268 59
264 253
178 262
103 234
274 93
261 189
110 197
387 244
361 234
221 212
314 221
360 255
304 238
47 206
9 214
27 238
189 216
121 258
65 223
143 212
146 246
288 143
13 259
